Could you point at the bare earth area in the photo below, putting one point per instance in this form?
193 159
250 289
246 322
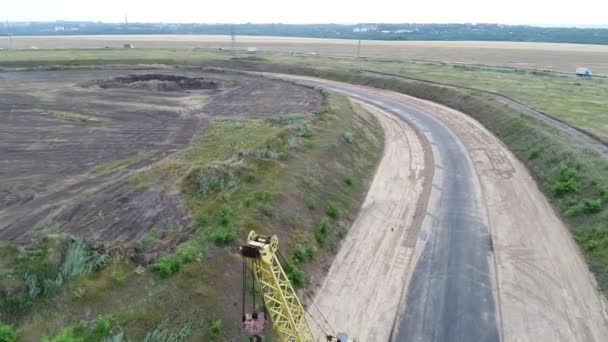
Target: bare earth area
70 139
551 56
540 286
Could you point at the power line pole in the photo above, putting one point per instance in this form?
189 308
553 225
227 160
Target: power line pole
359 49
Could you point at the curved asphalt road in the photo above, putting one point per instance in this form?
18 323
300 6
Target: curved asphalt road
450 294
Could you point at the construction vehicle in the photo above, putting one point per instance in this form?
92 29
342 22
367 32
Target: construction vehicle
281 304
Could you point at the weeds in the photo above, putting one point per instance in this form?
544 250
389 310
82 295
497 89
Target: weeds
223 235
171 264
332 210
567 181
162 334
213 180
321 230
294 273
216 329
104 329
349 180
7 333
303 253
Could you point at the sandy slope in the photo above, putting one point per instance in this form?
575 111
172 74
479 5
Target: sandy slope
361 292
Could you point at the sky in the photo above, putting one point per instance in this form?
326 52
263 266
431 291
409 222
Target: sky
538 12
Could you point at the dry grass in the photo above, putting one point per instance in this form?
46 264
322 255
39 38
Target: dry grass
550 56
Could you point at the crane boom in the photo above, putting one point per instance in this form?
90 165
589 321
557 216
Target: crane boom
286 311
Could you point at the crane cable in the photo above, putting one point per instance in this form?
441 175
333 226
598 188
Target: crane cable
313 304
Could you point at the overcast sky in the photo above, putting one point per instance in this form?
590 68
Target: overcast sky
542 12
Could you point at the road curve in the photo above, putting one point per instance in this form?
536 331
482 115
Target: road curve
492 261
450 295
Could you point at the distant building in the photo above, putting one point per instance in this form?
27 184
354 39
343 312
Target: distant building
583 72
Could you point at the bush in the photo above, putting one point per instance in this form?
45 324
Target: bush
294 273
224 235
332 210
7 333
593 240
216 329
166 267
225 215
103 328
349 180
303 253
592 206
534 153
567 181
321 230
171 264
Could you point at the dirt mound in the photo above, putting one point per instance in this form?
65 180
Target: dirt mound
159 82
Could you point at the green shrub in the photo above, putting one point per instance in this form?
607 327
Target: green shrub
103 328
564 186
321 230
294 273
349 180
225 216
166 267
7 333
332 210
171 264
216 329
593 240
534 153
592 206
224 235
303 253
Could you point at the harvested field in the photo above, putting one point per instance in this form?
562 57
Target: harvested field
70 140
550 56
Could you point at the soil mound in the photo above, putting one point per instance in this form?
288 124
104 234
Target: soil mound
159 82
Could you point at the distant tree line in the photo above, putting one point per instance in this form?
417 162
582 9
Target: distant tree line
484 32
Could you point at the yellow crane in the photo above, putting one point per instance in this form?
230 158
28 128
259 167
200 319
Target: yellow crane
285 309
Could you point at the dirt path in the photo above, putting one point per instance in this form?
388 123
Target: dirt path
370 270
